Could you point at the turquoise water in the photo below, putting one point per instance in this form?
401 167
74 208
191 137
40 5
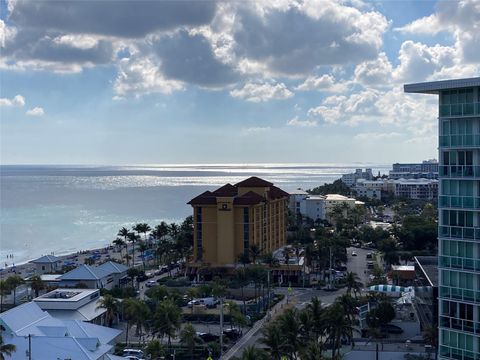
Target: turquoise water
64 209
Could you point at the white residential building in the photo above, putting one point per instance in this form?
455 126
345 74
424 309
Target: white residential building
351 179
107 275
46 264
73 304
319 207
38 335
408 188
427 169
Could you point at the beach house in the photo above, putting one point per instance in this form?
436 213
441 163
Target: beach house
46 264
38 335
107 275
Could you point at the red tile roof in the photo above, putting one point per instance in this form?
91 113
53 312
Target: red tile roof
206 198
253 182
249 198
226 190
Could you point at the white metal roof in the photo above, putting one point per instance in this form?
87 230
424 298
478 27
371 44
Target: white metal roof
85 272
113 267
434 87
46 259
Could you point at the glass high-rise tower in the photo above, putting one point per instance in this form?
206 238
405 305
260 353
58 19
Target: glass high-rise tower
459 215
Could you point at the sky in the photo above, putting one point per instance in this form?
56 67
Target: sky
157 82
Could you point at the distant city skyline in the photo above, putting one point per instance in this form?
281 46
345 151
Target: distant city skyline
100 82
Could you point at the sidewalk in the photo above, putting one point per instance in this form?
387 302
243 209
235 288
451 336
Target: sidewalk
276 311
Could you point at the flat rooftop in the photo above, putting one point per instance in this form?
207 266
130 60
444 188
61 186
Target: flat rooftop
61 295
434 87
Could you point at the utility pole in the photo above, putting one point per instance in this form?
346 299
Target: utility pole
29 346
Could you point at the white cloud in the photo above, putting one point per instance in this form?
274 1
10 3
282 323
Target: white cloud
258 92
374 73
18 100
83 42
36 111
426 25
138 76
326 82
302 123
377 136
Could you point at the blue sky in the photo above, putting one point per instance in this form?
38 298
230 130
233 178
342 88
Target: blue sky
120 82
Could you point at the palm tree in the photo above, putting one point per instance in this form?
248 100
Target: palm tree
254 252
142 247
132 237
6 349
4 289
13 282
312 351
252 353
290 328
349 305
167 319
188 337
173 230
337 326
142 228
138 313
353 283
119 243
111 304
316 312
154 349
124 232
272 338
37 284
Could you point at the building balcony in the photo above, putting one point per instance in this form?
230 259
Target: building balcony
459 171
457 110
459 294
459 202
458 232
460 263
460 324
460 141
458 354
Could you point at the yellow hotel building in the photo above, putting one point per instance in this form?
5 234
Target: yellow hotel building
230 219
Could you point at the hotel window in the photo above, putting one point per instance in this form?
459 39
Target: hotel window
246 231
199 234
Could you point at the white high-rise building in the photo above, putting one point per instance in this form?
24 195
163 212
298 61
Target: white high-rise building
459 215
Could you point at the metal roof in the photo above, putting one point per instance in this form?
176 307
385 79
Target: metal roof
434 87
46 259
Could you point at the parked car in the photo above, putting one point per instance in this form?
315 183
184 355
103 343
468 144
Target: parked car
391 329
207 337
149 275
150 283
133 352
354 253
142 277
209 302
232 334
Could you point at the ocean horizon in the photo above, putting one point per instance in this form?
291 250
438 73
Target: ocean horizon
68 208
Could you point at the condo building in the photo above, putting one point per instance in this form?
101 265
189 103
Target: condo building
230 219
459 215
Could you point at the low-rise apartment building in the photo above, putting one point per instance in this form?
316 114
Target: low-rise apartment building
351 179
426 189
230 219
427 169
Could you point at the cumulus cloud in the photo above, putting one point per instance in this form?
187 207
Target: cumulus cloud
295 38
138 75
376 73
302 123
460 18
326 82
118 18
260 92
36 111
18 100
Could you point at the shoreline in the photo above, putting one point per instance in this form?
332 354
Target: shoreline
25 269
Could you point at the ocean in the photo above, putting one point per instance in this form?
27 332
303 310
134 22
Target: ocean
63 209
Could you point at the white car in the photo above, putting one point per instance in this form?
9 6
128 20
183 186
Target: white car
151 283
354 253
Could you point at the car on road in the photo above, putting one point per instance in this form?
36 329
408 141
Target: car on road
232 334
391 329
207 337
354 253
209 302
133 353
150 283
369 256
